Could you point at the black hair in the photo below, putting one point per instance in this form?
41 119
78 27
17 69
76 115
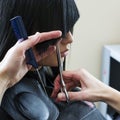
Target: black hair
38 16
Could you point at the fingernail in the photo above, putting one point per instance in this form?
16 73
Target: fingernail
61 96
90 104
37 33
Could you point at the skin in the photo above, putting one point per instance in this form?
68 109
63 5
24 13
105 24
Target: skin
10 74
13 66
51 60
92 89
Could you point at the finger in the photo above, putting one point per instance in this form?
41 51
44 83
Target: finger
72 96
56 88
70 85
48 35
45 36
39 37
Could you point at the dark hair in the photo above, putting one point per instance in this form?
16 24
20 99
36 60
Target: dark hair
38 15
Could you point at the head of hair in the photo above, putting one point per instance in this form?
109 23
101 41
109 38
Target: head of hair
38 16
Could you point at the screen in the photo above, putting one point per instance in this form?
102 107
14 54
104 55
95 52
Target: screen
114 80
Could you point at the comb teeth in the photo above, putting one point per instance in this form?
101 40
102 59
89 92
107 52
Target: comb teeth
21 34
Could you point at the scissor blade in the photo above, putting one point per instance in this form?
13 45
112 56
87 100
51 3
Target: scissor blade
60 65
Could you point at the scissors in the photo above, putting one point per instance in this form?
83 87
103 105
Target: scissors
60 65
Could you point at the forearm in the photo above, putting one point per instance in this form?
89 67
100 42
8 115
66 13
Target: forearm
112 98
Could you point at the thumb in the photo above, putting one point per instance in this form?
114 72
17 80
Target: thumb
72 95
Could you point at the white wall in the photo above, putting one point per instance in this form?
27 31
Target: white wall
99 24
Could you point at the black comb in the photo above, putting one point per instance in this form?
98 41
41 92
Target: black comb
21 34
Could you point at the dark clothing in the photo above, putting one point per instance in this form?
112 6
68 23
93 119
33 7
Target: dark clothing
4 115
28 101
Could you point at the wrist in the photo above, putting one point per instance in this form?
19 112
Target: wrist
4 80
111 96
106 94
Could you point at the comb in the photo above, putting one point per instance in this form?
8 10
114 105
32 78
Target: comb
21 35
